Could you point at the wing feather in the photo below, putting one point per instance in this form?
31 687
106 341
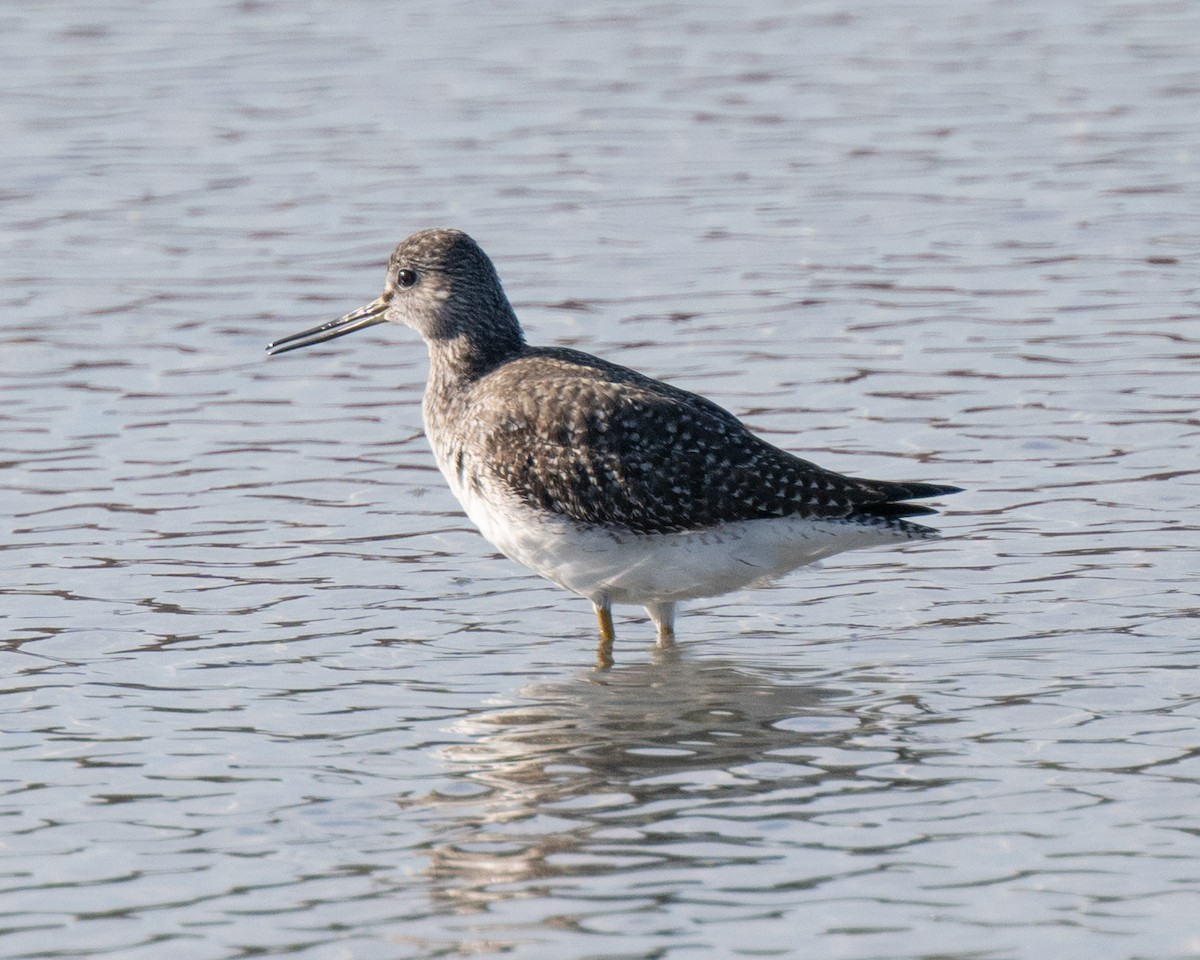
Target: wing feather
602 444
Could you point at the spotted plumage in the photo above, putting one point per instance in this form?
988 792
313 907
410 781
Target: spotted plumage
617 486
618 448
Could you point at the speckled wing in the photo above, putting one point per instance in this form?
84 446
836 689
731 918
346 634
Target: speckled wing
599 443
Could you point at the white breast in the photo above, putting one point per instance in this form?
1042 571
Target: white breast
627 567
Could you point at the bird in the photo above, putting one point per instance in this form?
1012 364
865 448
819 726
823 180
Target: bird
618 487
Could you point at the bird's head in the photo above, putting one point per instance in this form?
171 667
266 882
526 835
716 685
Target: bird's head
440 283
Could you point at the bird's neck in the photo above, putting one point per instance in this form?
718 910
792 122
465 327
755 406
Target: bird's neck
465 356
456 365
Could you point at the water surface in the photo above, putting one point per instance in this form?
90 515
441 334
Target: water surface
268 694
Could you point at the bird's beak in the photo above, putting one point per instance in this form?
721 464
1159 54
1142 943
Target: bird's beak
367 316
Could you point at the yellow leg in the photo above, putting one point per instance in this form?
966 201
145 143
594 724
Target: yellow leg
604 657
663 615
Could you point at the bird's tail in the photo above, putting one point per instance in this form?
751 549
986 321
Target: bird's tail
890 500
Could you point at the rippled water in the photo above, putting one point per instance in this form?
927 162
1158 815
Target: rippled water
268 694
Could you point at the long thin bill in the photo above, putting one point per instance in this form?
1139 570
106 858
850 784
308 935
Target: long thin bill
367 316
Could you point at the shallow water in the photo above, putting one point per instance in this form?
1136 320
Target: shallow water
268 694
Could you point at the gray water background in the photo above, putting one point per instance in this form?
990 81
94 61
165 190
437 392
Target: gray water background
267 694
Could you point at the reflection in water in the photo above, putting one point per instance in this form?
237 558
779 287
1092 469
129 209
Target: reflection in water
643 769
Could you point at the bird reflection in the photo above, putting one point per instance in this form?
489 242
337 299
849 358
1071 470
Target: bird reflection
634 768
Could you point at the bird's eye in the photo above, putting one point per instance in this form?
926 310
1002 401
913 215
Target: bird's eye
406 278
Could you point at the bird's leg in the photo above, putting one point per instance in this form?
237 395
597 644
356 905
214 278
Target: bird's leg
604 657
663 615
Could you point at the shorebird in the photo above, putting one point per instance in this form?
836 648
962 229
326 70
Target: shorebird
616 486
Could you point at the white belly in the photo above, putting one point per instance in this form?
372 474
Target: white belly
627 567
